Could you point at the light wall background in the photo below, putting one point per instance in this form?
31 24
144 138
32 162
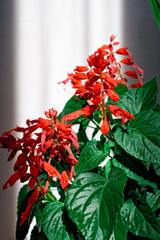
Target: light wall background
41 41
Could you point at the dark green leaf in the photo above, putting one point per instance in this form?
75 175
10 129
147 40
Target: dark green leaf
75 103
134 169
153 200
155 4
139 218
22 193
39 214
156 167
21 231
36 235
52 223
119 230
92 203
141 138
140 99
90 157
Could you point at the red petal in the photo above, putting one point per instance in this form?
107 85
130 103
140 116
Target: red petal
119 112
80 76
105 127
113 95
112 38
21 160
64 179
12 155
132 74
127 61
31 201
122 51
51 170
11 181
81 69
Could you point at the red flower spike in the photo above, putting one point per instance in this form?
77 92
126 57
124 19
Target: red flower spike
64 179
105 127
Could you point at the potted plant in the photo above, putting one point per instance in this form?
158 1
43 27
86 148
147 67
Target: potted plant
107 185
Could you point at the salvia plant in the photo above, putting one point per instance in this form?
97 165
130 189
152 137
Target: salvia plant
103 181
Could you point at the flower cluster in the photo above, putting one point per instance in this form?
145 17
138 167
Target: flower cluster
97 81
40 135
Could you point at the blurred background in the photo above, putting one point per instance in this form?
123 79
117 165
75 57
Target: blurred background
40 42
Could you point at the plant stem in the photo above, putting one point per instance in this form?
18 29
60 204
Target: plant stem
48 195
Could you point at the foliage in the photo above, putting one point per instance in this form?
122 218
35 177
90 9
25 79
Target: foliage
108 185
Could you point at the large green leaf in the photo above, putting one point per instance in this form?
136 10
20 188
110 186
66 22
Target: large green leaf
90 157
153 200
139 218
52 223
92 203
141 138
139 99
134 169
38 212
75 103
119 230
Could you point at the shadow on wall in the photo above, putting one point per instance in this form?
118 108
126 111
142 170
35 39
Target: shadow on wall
142 36
7 198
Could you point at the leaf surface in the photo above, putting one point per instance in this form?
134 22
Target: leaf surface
140 219
92 203
90 157
141 138
139 99
52 223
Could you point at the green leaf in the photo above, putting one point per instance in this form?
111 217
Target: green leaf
75 103
134 169
140 99
92 203
156 167
156 10
153 200
90 157
36 235
21 231
22 193
119 230
52 223
141 138
39 214
139 218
